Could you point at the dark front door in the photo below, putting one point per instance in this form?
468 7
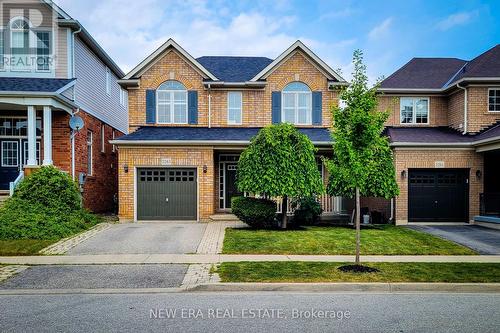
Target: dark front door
10 161
440 195
166 194
231 189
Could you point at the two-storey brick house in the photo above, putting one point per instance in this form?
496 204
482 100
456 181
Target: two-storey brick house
189 119
52 69
444 128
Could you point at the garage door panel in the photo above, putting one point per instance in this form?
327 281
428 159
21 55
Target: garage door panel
438 195
166 194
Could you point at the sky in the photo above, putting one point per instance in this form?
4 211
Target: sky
388 32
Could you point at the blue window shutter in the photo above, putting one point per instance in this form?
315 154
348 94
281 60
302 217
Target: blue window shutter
150 106
193 107
316 107
276 107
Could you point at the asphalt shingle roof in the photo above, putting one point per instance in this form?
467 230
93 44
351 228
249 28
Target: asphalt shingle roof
150 133
426 135
486 64
424 73
234 69
32 84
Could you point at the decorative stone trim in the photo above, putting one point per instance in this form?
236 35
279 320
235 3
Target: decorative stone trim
8 271
62 246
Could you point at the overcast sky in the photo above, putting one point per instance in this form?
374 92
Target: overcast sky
389 32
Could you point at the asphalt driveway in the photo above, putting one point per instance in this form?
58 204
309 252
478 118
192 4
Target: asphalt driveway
141 238
483 240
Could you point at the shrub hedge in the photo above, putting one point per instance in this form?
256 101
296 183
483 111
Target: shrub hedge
307 211
257 213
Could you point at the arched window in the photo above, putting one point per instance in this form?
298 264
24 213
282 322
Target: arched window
20 42
296 104
171 103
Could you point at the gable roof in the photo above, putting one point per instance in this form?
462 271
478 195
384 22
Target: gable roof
423 73
298 45
441 74
170 43
40 85
234 69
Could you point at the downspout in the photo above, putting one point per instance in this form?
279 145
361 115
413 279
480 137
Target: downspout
465 107
74 97
392 210
73 134
209 107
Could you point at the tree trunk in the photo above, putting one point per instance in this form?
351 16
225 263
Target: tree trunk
358 226
284 206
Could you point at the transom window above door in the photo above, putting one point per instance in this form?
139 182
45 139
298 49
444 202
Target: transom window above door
171 103
414 110
296 104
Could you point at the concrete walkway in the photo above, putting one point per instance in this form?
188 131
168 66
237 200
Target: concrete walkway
218 258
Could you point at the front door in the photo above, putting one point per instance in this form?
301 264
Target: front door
10 161
231 189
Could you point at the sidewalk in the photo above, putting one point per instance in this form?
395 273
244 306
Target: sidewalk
218 258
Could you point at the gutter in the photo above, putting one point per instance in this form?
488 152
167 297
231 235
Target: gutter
209 107
465 107
223 84
193 142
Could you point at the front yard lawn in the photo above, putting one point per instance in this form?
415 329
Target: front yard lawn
23 247
336 240
275 271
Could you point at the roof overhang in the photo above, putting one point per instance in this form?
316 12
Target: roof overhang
131 83
453 85
193 143
54 100
246 84
327 70
170 43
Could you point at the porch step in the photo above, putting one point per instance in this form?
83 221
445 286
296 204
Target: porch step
224 217
492 222
3 197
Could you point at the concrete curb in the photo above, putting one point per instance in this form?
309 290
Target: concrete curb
7 292
397 287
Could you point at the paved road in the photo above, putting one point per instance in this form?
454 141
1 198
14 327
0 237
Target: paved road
483 240
366 312
153 237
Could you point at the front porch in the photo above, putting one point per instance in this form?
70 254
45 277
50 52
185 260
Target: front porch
489 200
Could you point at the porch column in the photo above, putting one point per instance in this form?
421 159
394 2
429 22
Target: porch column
31 137
47 135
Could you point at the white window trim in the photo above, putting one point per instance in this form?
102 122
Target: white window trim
113 138
50 50
31 40
296 106
171 92
108 81
414 115
488 99
103 138
240 108
1 155
90 157
123 97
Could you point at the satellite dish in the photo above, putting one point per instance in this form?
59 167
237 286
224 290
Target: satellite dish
76 123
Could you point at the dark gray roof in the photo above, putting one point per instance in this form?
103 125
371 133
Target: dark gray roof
491 132
150 133
486 64
423 73
234 69
426 135
32 84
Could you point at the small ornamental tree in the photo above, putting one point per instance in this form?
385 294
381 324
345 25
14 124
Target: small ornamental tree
362 163
279 162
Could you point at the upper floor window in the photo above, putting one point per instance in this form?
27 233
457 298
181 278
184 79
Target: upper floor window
234 107
108 82
42 50
103 138
494 99
171 103
414 110
2 52
19 44
296 104
123 97
89 153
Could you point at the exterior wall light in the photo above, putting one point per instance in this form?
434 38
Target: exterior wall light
205 168
478 174
125 168
403 174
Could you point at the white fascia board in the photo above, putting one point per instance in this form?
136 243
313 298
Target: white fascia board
445 88
306 50
192 142
37 99
153 56
432 144
246 84
66 87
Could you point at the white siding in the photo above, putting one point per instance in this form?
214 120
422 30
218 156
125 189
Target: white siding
90 89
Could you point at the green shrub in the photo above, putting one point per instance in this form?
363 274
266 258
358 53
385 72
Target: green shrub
307 211
46 205
257 213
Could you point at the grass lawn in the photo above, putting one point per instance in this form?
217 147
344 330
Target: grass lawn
328 272
385 239
23 247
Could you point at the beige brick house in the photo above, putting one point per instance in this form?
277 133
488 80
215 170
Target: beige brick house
445 131
189 119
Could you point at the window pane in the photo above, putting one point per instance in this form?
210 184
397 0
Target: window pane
180 113
234 100
163 96
288 100
164 113
288 115
179 97
2 60
9 153
171 85
406 110
303 116
296 86
43 50
422 111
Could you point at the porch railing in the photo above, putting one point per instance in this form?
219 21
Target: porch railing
13 185
489 204
330 205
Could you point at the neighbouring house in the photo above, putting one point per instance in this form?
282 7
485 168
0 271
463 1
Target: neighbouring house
51 70
444 129
189 120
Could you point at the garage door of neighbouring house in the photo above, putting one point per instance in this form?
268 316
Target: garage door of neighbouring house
440 195
166 194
